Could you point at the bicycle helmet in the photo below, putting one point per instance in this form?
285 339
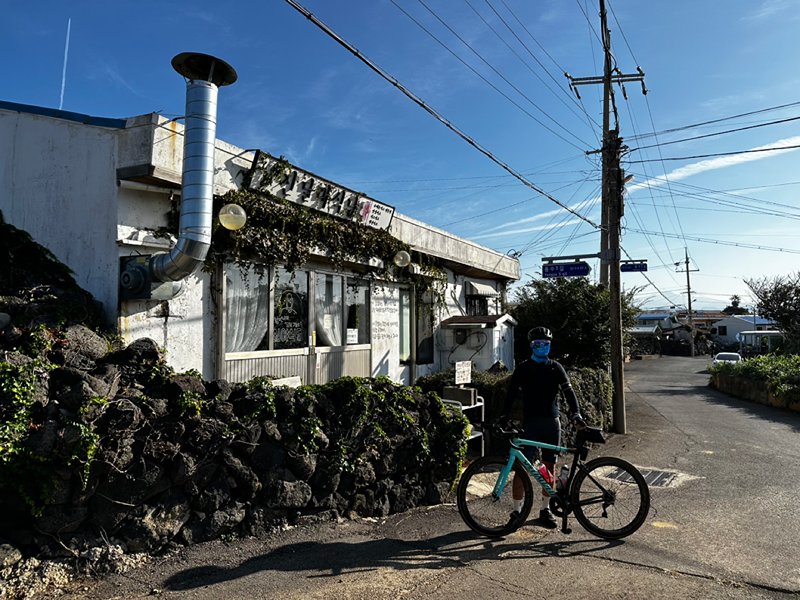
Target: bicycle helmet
540 333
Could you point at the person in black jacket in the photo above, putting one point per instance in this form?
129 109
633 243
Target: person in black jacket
541 380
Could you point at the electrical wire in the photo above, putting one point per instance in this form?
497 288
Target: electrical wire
498 90
708 135
375 67
719 242
719 154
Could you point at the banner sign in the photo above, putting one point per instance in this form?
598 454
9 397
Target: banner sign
463 372
316 193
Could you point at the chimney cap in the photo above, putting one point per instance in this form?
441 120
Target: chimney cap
204 67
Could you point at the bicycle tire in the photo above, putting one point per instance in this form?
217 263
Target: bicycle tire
627 498
478 507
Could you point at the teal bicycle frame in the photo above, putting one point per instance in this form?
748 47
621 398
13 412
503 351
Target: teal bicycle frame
516 454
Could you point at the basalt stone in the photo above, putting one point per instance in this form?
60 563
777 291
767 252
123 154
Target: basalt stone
116 496
43 442
267 457
303 466
123 415
83 342
285 494
142 351
260 521
364 474
216 494
308 518
61 518
182 467
9 554
247 483
202 474
271 432
364 504
439 493
213 525
158 524
220 389
247 438
383 486
183 384
382 506
209 433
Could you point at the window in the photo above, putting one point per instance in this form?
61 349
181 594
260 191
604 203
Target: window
247 308
291 309
328 310
477 306
405 325
425 331
358 323
722 330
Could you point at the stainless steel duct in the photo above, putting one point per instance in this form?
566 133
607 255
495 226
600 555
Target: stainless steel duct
205 75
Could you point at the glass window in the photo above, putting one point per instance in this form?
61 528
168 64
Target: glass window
425 331
405 325
723 330
477 306
358 323
291 309
246 308
328 309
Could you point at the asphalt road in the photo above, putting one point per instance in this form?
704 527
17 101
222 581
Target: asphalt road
728 526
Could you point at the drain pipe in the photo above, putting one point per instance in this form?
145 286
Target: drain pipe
205 75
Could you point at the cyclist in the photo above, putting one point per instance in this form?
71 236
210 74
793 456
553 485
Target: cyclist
541 380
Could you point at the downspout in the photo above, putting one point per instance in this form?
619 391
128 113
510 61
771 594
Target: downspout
205 75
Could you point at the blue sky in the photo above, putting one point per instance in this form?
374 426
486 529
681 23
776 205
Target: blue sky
302 95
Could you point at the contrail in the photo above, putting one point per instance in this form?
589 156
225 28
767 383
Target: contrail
64 72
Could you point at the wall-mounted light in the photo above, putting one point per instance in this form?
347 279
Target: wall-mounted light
232 216
402 259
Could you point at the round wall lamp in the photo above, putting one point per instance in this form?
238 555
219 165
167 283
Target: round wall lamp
402 259
232 216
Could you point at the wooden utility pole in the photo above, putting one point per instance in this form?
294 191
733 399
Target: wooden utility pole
689 295
615 209
605 192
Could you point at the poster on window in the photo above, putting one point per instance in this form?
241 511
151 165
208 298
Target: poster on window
290 321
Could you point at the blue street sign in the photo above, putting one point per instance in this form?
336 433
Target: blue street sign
573 269
628 267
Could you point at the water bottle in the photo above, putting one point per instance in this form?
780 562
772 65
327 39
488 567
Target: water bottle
561 484
544 471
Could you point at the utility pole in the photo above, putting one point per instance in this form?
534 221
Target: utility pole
616 178
689 295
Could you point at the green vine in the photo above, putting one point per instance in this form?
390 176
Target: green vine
279 232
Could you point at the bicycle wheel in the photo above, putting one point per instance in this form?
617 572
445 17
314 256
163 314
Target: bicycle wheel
611 499
483 511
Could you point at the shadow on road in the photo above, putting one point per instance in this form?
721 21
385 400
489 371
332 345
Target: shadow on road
331 559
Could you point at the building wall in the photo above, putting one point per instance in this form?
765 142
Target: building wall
57 182
735 325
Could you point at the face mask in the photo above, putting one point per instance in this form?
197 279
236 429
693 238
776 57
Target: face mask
540 348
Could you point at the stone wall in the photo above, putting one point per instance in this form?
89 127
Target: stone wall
751 389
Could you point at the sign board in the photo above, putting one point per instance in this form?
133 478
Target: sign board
629 267
352 336
463 372
572 269
306 189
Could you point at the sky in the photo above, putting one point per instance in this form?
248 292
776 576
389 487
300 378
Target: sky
494 70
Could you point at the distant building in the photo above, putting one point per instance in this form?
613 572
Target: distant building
725 330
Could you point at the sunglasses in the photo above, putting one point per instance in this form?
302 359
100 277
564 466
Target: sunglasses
539 343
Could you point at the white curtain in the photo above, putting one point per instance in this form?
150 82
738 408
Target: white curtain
328 310
246 308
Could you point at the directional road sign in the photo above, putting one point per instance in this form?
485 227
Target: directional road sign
573 269
628 267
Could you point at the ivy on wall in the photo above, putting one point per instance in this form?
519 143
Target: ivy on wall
281 233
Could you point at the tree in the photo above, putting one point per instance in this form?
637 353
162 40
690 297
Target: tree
576 311
779 301
734 308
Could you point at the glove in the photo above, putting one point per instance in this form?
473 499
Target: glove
577 419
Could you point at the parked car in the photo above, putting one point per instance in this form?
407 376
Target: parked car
726 357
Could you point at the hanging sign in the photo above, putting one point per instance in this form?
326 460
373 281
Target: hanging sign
463 372
316 193
572 269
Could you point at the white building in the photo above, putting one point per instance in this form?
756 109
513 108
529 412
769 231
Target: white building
96 192
726 330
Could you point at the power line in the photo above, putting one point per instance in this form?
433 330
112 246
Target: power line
718 242
380 71
747 114
708 135
718 154
498 90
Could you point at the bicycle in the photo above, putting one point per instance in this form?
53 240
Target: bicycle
608 495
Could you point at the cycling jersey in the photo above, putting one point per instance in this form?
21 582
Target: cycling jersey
540 384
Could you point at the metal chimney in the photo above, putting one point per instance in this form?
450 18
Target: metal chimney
205 75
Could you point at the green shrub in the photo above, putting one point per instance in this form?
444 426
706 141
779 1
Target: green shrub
781 373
